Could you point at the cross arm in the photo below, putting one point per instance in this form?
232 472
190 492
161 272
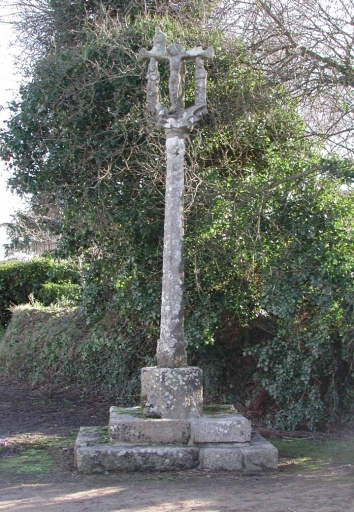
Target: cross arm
146 55
198 51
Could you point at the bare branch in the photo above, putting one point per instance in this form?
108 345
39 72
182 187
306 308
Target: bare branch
309 47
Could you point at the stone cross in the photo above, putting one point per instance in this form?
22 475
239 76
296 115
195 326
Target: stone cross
176 55
177 123
173 433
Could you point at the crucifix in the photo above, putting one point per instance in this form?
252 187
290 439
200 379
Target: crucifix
176 55
173 389
177 123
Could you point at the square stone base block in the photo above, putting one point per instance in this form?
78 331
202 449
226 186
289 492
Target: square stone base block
219 428
172 393
93 454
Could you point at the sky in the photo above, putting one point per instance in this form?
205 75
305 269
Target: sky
9 83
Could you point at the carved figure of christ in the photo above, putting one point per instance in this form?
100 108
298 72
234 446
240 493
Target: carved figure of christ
176 55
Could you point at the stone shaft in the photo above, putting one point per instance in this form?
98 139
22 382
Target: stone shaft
171 347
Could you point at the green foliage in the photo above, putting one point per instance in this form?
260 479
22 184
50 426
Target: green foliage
68 294
57 347
21 279
308 287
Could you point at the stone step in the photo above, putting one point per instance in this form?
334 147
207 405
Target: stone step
128 425
93 454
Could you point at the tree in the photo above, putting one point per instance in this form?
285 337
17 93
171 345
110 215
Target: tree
309 47
44 26
33 233
307 289
80 136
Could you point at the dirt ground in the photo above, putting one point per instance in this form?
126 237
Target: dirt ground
37 433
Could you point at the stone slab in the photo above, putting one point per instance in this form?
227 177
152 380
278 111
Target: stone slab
90 436
102 457
129 425
259 454
221 459
222 428
130 428
94 455
172 393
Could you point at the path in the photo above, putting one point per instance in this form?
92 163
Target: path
36 471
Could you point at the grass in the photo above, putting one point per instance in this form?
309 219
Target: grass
30 461
314 454
33 454
136 411
213 409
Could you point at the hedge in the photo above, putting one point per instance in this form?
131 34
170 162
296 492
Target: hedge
21 280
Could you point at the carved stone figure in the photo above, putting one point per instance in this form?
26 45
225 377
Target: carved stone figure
176 81
176 55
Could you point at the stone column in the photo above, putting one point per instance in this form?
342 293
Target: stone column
171 347
173 389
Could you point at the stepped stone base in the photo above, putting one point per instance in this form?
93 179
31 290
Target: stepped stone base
133 443
128 425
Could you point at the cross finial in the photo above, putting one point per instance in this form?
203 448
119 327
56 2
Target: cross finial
176 55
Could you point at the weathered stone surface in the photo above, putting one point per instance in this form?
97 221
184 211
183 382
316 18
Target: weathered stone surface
99 458
89 436
176 55
171 347
177 122
221 428
129 425
128 428
221 459
174 393
94 455
260 454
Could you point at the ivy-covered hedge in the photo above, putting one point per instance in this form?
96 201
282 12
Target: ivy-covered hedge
60 347
57 347
20 280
